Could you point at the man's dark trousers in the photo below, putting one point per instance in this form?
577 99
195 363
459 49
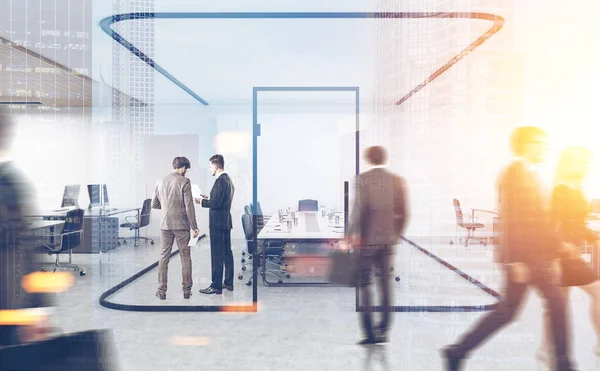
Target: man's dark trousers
374 258
547 284
221 254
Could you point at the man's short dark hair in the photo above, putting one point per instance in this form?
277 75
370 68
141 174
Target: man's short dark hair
522 136
179 162
218 160
376 155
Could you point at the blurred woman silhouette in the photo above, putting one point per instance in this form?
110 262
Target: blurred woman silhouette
569 209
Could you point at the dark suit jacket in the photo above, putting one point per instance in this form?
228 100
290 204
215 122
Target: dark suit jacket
18 257
526 230
219 203
380 214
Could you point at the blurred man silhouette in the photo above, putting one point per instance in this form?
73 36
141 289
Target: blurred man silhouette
529 251
569 210
22 313
378 221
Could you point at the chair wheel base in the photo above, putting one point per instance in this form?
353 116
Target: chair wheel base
151 242
243 268
82 273
249 283
240 277
397 279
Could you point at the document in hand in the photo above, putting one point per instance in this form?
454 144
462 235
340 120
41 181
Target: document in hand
193 241
196 192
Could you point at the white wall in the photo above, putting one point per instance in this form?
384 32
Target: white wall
51 150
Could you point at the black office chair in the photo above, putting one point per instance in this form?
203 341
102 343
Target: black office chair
308 205
70 238
135 222
272 251
260 211
259 224
468 222
260 221
246 253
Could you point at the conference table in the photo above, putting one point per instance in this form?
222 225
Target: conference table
308 238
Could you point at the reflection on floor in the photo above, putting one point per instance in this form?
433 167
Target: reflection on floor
299 328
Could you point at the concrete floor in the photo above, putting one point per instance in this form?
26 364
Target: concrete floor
304 328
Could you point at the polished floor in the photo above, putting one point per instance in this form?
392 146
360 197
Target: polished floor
304 328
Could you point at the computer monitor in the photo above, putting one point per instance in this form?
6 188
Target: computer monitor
98 195
95 197
71 196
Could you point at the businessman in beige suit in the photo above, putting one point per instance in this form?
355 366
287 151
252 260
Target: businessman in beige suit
174 196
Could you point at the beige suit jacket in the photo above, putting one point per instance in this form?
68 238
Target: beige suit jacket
173 196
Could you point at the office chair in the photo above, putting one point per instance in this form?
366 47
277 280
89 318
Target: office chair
470 224
308 205
248 211
259 222
259 227
272 251
260 219
260 212
135 222
70 238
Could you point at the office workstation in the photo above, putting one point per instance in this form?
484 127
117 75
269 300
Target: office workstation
100 227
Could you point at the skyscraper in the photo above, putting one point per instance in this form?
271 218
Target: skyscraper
443 137
135 78
46 53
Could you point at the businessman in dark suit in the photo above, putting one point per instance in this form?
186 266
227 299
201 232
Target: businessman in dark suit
379 219
18 304
220 225
529 251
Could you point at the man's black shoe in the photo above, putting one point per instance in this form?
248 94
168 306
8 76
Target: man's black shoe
367 341
453 361
210 290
